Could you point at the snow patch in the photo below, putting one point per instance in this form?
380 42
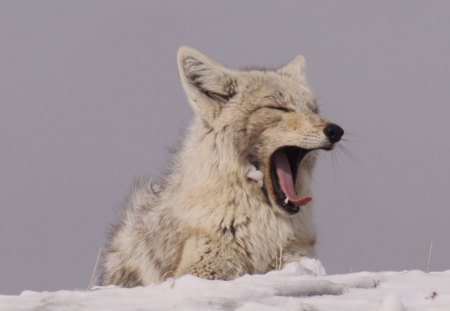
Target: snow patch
391 302
300 286
253 173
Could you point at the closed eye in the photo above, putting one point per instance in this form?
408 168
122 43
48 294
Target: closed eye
314 106
279 108
314 109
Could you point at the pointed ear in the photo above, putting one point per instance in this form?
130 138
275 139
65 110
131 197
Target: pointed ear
295 69
208 85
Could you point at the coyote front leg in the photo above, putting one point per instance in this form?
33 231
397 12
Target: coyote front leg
212 260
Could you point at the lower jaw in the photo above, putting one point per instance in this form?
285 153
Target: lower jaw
280 202
290 208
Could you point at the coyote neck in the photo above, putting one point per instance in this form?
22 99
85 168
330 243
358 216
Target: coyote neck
208 164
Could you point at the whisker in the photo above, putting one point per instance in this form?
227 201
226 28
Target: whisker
352 134
351 137
337 160
334 164
351 156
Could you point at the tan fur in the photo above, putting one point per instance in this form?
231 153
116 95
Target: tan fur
208 218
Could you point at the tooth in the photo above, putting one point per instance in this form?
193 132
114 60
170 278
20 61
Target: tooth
286 201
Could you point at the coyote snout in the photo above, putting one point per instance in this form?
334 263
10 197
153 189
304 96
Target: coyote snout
238 198
333 132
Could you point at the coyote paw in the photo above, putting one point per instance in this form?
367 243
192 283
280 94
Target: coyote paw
256 175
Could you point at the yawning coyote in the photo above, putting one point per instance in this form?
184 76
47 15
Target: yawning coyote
237 199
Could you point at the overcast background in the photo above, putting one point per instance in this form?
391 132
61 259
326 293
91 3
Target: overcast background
90 98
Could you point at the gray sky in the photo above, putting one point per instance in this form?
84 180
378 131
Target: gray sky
90 98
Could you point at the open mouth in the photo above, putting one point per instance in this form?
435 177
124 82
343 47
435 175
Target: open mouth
284 165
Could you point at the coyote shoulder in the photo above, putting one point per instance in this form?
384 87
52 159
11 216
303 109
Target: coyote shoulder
237 200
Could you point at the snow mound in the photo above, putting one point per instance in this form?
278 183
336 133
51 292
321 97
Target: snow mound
299 286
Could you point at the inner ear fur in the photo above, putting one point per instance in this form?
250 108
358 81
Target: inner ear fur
201 76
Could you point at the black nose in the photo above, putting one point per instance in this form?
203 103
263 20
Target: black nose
333 132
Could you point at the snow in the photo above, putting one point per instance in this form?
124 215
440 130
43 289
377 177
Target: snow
299 286
255 174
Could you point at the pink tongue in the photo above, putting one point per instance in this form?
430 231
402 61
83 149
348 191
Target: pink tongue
284 174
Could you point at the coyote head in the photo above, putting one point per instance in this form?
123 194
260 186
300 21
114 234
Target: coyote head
266 118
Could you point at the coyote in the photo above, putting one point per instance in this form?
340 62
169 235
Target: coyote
237 200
